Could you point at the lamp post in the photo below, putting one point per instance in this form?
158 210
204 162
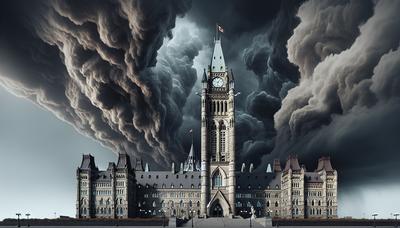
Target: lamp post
395 219
374 215
18 224
163 217
27 219
251 214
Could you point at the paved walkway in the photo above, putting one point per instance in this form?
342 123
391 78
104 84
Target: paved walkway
221 222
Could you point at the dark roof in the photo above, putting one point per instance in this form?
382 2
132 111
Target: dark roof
277 166
124 161
168 178
324 163
258 180
88 162
204 79
103 176
312 177
292 163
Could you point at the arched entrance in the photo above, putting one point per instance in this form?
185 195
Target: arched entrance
217 210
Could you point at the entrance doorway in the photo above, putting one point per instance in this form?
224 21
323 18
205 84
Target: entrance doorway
217 211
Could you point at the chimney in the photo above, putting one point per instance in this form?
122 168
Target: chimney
277 166
173 167
181 168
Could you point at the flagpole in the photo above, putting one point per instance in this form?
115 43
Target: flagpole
216 31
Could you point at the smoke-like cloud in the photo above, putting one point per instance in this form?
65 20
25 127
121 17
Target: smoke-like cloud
94 64
347 101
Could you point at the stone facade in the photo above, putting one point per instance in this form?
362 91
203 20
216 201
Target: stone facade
211 186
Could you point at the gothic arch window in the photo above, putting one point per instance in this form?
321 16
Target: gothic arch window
213 141
222 141
226 106
217 179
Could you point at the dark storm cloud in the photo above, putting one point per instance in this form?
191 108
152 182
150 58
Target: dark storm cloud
254 43
93 64
347 101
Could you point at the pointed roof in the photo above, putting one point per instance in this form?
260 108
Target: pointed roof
269 169
324 163
231 77
204 79
124 161
88 162
139 165
190 163
292 163
217 59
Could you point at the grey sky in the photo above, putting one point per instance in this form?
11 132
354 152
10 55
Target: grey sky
39 155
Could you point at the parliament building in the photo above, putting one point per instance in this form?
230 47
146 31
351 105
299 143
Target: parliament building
210 186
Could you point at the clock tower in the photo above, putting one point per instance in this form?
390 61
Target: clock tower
217 138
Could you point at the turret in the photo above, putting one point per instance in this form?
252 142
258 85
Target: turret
204 80
277 166
324 163
231 81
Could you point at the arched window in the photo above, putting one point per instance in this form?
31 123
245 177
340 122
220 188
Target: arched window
226 107
239 204
109 210
154 204
217 179
222 140
276 204
198 203
213 141
267 203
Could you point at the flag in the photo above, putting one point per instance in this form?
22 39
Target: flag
220 28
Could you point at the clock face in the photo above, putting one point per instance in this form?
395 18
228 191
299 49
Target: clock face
218 82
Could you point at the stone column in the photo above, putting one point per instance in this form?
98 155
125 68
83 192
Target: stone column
205 165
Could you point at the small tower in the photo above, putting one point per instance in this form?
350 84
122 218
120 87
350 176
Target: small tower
190 163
